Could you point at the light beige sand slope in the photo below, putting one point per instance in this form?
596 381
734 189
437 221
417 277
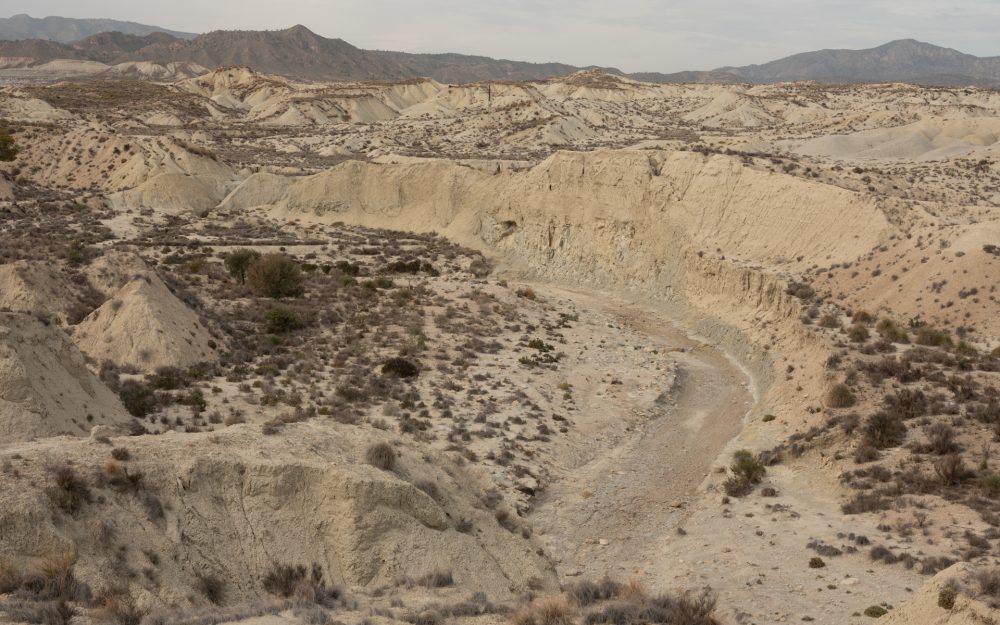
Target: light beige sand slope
45 386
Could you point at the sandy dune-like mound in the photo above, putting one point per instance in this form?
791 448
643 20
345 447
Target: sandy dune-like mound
32 286
146 326
163 119
146 70
923 608
175 193
901 278
632 207
45 386
276 101
116 268
931 139
236 87
732 109
18 107
94 156
260 189
245 503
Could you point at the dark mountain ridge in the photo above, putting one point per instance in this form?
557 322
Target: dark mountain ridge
298 52
68 30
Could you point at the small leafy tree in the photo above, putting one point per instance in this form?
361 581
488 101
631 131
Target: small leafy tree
239 261
276 276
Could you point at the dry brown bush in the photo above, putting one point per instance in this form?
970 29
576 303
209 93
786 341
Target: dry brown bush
381 456
554 610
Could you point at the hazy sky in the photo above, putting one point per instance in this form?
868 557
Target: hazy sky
633 35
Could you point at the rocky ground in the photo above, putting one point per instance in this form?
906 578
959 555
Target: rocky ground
577 350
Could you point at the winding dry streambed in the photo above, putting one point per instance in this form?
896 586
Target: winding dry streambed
616 511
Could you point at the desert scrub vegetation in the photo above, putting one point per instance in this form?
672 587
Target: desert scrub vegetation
281 320
401 367
987 586
892 332
211 587
69 492
119 99
381 456
607 602
924 423
840 396
858 333
238 263
932 337
306 585
8 148
411 347
546 611
747 471
52 227
42 591
276 276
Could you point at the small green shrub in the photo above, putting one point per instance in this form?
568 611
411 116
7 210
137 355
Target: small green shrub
347 268
890 331
381 282
747 471
932 337
276 276
401 368
990 485
883 430
875 611
828 321
8 148
585 593
946 598
858 333
281 320
167 378
137 398
966 349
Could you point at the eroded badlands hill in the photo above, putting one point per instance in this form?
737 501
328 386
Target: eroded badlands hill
456 350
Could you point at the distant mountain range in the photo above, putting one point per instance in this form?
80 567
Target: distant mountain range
906 60
296 51
68 30
299 52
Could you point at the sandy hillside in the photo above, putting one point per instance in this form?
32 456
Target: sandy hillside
144 325
47 388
